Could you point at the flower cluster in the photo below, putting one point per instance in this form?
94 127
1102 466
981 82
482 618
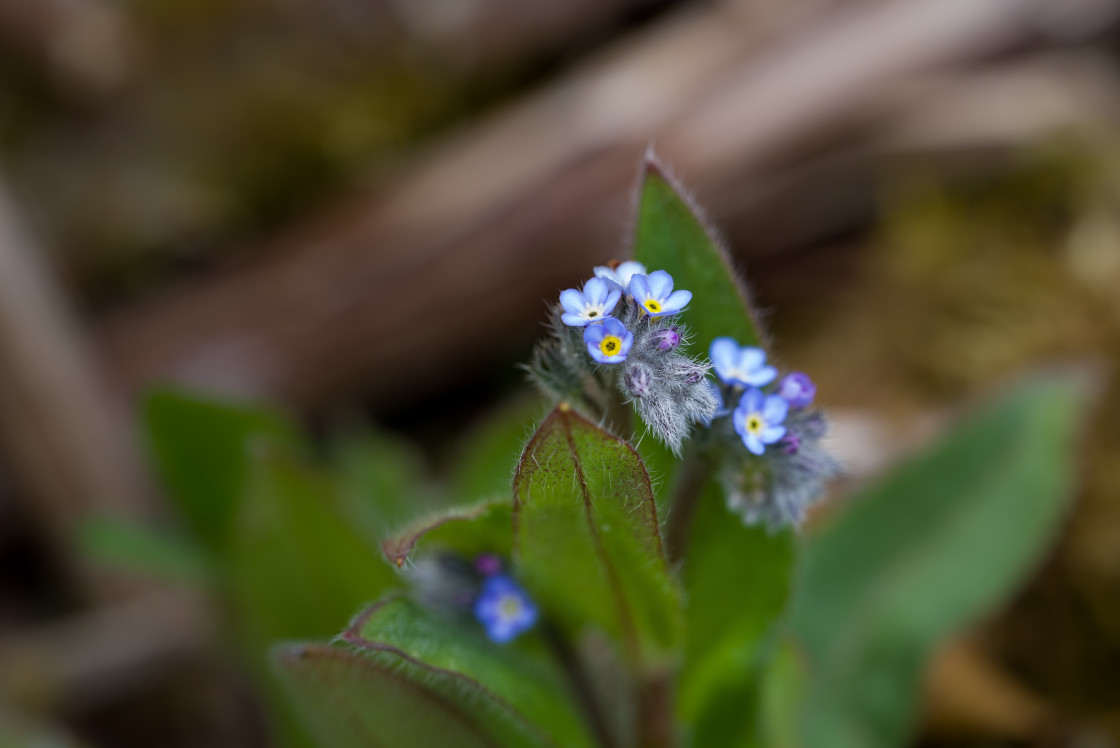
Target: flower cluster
783 468
618 334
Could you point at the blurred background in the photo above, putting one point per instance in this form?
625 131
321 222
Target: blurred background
353 211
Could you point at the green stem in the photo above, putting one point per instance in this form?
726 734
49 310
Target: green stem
686 495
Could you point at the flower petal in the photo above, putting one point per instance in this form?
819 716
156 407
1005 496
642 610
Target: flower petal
639 287
594 334
572 301
773 434
754 444
595 291
724 353
604 272
626 271
762 376
677 301
612 299
574 320
774 410
660 284
615 327
751 358
752 400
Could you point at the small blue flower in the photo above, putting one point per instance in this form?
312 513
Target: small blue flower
744 366
758 419
609 342
620 276
597 300
655 294
797 389
504 609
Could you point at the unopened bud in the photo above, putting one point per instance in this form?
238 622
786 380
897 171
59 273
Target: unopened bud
639 381
667 339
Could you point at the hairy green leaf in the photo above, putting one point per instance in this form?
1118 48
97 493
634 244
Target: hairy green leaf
529 685
586 538
482 528
672 235
923 553
353 701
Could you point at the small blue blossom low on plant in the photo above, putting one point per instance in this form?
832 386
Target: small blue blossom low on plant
597 300
744 366
655 294
608 343
758 419
619 276
503 608
798 390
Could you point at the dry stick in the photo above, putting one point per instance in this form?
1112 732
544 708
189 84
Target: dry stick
319 319
68 443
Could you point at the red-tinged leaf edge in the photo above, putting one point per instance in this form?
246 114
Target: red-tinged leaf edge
353 636
284 656
653 167
397 548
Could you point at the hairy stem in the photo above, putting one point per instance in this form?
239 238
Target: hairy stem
686 495
656 727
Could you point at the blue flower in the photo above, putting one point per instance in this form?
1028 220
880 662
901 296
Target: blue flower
609 342
744 366
655 294
504 609
620 276
797 389
758 419
597 300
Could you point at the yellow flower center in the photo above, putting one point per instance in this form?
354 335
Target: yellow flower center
754 425
610 345
652 306
510 606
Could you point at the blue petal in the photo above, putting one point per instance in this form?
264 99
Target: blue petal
772 434
594 334
615 327
660 284
752 400
572 301
595 291
762 376
639 288
627 270
775 409
677 301
724 354
739 421
753 443
610 276
751 358
627 341
612 299
574 320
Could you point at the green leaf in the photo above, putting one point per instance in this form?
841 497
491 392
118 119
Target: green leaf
200 449
926 551
297 568
469 531
586 539
672 235
124 544
352 701
738 581
521 678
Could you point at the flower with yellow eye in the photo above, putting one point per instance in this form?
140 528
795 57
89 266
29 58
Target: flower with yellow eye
504 609
759 418
608 343
654 294
593 304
